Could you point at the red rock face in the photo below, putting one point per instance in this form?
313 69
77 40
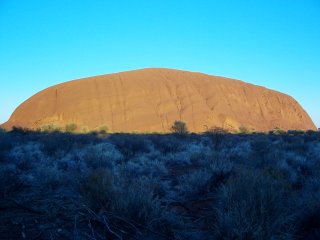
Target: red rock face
150 100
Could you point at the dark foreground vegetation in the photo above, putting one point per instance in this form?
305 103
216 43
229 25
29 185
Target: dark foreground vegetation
174 186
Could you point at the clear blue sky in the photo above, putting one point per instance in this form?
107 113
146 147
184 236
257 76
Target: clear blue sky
273 43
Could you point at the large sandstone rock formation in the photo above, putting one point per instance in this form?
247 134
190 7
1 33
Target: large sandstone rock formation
150 100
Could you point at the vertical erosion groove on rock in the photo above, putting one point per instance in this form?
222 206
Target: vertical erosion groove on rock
150 100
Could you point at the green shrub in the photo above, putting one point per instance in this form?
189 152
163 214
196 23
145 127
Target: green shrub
252 206
217 135
162 186
103 130
296 132
84 130
179 127
20 130
311 132
98 190
9 182
278 131
244 130
72 127
49 128
138 203
217 130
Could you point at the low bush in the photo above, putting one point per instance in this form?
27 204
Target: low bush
103 130
253 206
159 186
49 128
179 127
71 127
10 183
244 130
99 190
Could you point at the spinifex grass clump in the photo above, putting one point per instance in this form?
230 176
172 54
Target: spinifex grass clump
214 185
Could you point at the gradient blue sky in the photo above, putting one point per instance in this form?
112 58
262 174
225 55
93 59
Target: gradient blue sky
273 43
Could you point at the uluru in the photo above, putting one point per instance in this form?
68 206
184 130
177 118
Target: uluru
150 100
